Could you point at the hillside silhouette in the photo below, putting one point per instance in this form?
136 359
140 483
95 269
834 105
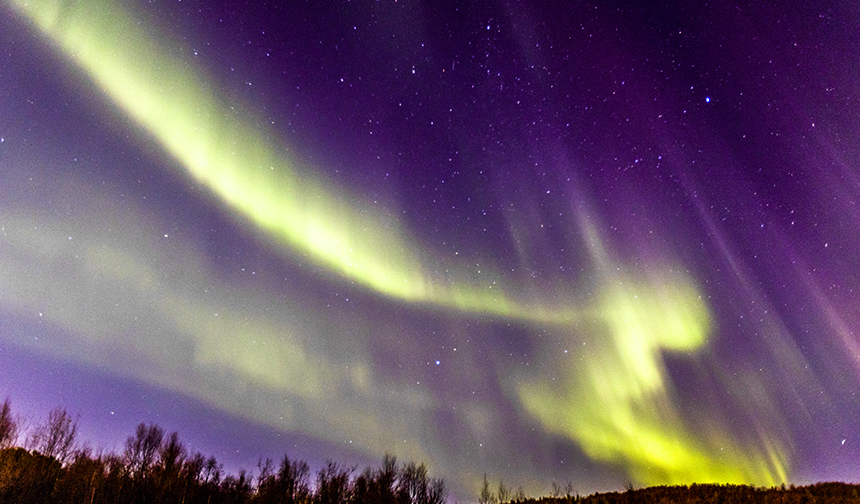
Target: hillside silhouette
819 493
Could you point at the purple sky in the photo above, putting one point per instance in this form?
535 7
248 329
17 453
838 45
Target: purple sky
634 229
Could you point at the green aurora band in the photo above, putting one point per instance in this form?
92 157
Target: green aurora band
619 405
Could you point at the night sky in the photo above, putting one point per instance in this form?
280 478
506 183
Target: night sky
599 242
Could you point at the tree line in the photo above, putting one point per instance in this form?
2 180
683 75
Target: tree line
155 467
50 466
818 493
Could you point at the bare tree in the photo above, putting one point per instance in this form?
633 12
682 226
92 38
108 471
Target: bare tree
172 455
569 492
169 466
333 484
56 437
193 467
559 491
504 494
266 469
377 486
212 472
142 448
519 495
294 479
385 479
412 483
8 426
486 496
437 492
288 485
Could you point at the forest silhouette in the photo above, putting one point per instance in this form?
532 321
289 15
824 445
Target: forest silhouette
50 466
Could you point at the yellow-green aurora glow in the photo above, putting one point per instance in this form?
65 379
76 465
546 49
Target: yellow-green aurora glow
616 402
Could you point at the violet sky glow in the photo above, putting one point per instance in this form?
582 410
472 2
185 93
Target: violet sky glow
598 244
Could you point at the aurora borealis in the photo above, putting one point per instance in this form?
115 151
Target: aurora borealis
603 243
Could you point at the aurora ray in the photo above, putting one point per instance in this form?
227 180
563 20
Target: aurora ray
594 346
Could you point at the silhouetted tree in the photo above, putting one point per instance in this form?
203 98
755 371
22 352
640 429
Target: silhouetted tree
193 468
56 437
560 492
82 481
486 495
361 487
236 490
519 495
557 491
8 425
27 477
211 472
140 452
141 449
412 483
288 486
415 487
333 484
117 477
382 485
504 493
154 469
438 494
191 474
167 472
266 469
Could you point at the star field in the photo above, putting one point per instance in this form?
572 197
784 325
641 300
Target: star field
597 243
